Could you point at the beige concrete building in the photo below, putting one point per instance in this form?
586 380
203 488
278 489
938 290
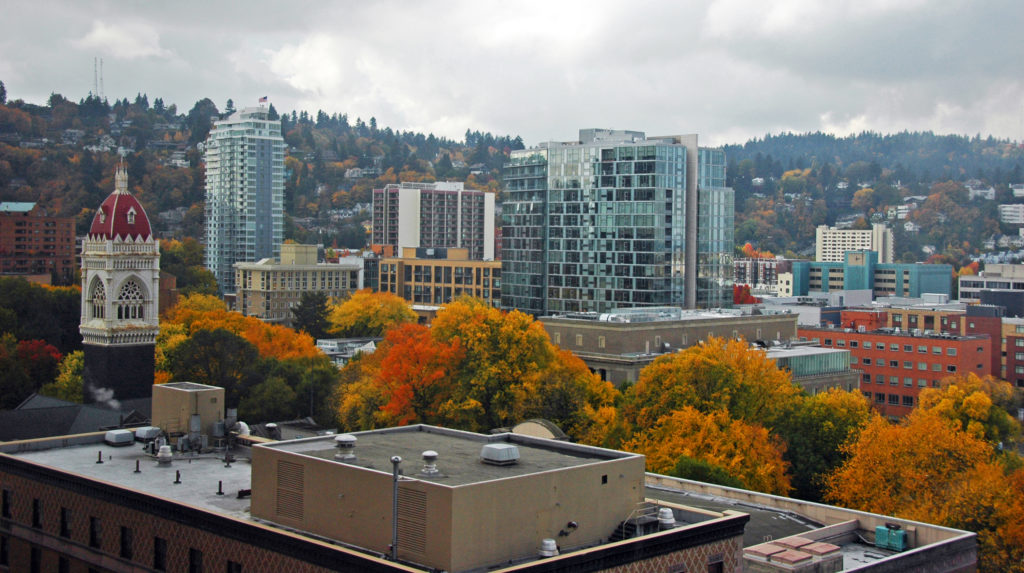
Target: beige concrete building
425 276
831 243
268 289
619 344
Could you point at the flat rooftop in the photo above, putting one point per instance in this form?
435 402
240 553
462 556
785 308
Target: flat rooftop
458 461
783 352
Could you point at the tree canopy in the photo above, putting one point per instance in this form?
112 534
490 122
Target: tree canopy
368 314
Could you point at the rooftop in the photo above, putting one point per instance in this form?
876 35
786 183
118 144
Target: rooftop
458 452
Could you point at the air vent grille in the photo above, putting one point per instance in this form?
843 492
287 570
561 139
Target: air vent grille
290 490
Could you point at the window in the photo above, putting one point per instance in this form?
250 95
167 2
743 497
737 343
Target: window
894 399
65 522
894 380
195 560
908 382
908 401
828 342
879 379
936 367
921 382
951 368
557 338
894 364
159 554
880 361
879 398
63 565
1018 369
126 542
867 377
937 350
6 499
922 350
841 343
894 347
5 550
579 340
866 361
1018 342
35 560
853 344
867 345
922 366
908 364
908 348
37 513
600 342
94 532
951 351
234 567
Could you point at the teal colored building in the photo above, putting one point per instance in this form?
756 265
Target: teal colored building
862 271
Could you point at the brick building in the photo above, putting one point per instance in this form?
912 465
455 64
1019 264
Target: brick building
897 365
32 243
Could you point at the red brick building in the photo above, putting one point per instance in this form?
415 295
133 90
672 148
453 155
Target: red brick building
896 366
32 243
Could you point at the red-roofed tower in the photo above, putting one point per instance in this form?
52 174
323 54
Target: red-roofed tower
120 290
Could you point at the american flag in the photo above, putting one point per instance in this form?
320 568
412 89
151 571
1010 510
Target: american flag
263 99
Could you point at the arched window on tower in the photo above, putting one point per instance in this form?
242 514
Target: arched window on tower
131 215
130 302
99 300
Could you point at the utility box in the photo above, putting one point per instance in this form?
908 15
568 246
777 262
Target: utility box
175 404
891 538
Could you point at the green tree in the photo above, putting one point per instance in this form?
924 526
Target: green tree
68 385
3 94
218 358
15 383
815 429
269 401
310 315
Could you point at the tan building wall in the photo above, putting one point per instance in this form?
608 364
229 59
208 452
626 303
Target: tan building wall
453 527
439 281
176 402
268 289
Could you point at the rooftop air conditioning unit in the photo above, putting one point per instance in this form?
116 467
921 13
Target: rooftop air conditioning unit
499 454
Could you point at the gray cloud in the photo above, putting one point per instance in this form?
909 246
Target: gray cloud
727 69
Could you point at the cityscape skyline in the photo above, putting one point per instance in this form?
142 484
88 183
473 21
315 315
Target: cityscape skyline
786 66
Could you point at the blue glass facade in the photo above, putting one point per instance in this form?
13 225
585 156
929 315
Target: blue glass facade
603 224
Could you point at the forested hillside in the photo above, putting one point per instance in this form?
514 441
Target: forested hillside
788 184
62 156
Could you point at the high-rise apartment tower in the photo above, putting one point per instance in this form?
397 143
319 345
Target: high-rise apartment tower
616 219
435 215
244 192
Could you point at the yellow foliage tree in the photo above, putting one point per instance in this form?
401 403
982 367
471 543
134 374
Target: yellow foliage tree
368 313
745 451
978 404
714 375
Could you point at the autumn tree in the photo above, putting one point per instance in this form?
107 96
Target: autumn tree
15 383
978 404
368 313
717 374
745 451
218 358
476 368
68 385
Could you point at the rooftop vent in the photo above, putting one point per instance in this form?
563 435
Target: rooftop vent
346 444
666 519
430 464
499 454
548 547
164 456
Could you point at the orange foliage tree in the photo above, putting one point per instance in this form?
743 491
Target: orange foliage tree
745 451
476 368
928 469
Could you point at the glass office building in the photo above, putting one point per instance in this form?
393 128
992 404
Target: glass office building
244 192
616 220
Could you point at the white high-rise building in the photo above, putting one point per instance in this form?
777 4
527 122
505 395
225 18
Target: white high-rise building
831 243
244 192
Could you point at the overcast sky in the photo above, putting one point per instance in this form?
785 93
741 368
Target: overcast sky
728 70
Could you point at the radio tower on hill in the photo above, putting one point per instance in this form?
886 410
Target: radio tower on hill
97 78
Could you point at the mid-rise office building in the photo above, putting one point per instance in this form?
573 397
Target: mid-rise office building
33 244
244 192
897 364
995 277
831 244
437 276
435 215
861 270
616 219
270 288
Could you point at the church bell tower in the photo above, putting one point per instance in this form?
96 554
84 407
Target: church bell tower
120 288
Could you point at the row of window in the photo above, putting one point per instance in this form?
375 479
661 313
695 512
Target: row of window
895 381
893 347
126 545
891 399
907 364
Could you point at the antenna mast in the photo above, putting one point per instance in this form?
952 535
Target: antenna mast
95 84
102 96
